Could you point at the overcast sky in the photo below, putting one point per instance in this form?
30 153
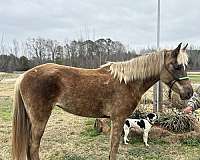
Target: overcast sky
133 22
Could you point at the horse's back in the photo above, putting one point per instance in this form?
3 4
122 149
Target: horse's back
49 78
76 90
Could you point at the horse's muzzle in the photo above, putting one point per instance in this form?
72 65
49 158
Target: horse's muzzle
187 94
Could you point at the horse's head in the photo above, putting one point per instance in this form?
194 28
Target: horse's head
174 72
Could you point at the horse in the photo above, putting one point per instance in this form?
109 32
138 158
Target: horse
111 91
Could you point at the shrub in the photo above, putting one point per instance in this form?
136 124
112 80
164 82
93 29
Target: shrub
177 122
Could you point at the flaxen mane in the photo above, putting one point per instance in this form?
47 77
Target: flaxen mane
141 67
137 68
183 58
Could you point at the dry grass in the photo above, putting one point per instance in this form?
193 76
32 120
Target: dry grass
69 137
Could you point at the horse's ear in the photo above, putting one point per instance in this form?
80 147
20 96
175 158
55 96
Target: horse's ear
176 51
184 48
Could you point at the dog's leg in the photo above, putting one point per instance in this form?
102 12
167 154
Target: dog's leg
145 137
126 132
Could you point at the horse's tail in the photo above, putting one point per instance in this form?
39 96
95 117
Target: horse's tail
21 126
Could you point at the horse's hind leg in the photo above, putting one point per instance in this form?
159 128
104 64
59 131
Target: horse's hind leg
116 130
37 129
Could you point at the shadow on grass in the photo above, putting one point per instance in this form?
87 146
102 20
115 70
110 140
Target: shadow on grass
139 140
138 150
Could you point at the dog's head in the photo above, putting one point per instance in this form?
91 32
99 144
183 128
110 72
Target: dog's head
152 117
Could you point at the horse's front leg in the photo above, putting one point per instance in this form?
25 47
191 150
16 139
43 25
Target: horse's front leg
116 130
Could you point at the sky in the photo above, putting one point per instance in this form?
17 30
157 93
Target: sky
133 22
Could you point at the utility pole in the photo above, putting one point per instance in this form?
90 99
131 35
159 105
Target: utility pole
157 89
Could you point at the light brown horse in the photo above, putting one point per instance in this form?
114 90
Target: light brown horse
113 91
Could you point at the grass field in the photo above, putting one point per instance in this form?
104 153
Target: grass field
194 76
69 137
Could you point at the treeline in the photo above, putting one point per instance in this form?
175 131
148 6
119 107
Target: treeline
194 59
86 54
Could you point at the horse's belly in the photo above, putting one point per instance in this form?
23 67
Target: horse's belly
85 110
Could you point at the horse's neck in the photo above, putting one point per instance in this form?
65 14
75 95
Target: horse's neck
152 74
148 83
143 85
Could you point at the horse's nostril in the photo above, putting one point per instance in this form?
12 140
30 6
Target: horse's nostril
189 94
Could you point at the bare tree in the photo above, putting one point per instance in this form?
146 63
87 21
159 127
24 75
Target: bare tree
36 48
52 46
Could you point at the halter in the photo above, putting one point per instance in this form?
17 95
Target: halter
172 82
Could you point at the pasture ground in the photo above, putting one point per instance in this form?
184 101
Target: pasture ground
69 137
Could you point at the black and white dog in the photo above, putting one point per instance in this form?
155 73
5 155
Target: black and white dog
141 124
